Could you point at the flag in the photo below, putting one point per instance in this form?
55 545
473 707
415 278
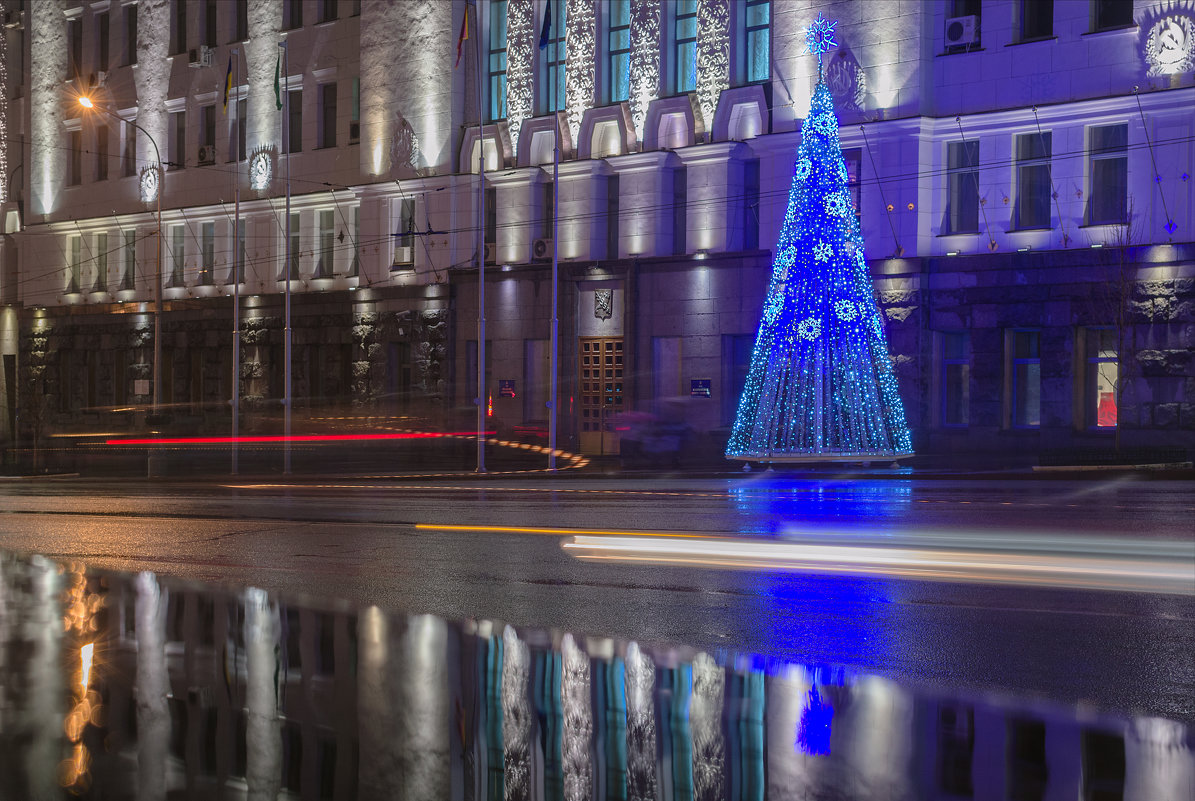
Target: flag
545 33
460 40
278 82
227 84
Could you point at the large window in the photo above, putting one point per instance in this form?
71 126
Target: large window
292 14
757 26
178 140
74 39
684 46
294 131
128 276
130 34
612 217
1035 19
355 267
955 378
551 62
852 158
325 267
618 52
736 362
404 233
962 187
1033 181
355 112
327 115
75 173
74 277
101 153
1026 379
680 210
1110 14
129 159
242 129
328 10
209 22
296 239
207 134
1100 374
177 245
178 26
208 232
101 263
238 275
101 40
1108 170
241 32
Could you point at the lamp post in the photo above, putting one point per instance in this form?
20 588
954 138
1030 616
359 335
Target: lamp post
86 102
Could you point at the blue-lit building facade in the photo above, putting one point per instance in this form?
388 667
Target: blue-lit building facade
1021 171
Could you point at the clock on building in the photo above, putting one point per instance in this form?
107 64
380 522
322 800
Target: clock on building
261 170
150 183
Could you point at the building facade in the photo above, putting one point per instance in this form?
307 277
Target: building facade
1021 171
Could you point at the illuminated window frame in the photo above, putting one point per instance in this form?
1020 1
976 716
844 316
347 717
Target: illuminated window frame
618 51
496 65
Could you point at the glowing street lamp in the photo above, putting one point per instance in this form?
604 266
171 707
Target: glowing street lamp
158 180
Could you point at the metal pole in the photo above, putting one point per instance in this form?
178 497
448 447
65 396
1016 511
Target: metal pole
236 277
481 387
554 345
286 400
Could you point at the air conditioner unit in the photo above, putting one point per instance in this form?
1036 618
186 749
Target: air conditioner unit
206 55
354 131
403 257
207 154
491 253
962 30
541 249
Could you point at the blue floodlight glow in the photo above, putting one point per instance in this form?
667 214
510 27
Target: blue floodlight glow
813 731
821 381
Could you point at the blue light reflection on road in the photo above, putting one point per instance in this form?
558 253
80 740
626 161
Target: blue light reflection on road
767 504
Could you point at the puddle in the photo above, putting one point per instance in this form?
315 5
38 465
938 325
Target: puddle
135 686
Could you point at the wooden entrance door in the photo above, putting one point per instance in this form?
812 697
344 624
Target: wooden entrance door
600 361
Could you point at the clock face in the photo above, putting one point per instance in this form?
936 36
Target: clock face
260 169
149 185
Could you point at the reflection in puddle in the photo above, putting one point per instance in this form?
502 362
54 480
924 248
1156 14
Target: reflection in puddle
119 686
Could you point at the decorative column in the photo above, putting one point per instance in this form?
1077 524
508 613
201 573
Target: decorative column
520 66
578 722
713 57
263 735
641 725
516 716
645 59
579 70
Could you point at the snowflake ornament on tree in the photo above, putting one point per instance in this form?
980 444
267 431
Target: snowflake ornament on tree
845 310
825 124
803 168
838 204
823 251
810 329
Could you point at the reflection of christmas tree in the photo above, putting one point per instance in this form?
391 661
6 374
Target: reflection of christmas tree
820 384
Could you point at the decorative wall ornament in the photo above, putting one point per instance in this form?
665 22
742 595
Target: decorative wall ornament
847 81
261 169
645 59
520 55
1170 45
603 303
404 148
579 70
713 56
150 183
516 715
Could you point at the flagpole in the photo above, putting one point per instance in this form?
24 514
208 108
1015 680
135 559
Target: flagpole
481 387
286 332
236 273
554 357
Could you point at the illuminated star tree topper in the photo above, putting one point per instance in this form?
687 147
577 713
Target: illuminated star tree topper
821 385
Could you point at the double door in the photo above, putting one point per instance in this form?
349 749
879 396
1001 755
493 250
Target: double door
600 363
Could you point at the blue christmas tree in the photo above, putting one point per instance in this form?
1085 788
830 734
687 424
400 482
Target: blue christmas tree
820 386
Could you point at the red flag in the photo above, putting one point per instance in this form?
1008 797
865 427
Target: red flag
460 42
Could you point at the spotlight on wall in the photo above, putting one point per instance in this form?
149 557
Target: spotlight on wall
1097 244
1023 250
701 254
952 253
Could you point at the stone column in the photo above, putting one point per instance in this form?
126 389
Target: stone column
153 684
263 737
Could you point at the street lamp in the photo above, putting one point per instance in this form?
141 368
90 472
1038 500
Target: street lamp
86 102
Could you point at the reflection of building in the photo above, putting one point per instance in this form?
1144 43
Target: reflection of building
995 149
254 697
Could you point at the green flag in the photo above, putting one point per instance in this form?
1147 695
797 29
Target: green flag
278 82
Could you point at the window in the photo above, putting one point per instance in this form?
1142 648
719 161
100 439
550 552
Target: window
239 253
128 166
209 23
327 10
471 393
1028 770
966 8
684 46
242 128
955 378
1108 168
101 263
325 267
355 268
128 276
962 187
1033 181
130 34
294 131
208 232
207 134
178 140
1026 379
612 217
1035 19
74 35
736 362
497 60
1100 374
101 153
101 41
619 52
177 242
292 14
853 160
491 215
1110 14
537 366
355 113
757 40
680 203
75 174
178 26
551 62
751 204
295 240
404 232
548 198
327 115
242 21
75 265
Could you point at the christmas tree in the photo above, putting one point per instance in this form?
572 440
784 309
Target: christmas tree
820 386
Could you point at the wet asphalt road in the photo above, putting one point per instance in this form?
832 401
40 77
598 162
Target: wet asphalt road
357 542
